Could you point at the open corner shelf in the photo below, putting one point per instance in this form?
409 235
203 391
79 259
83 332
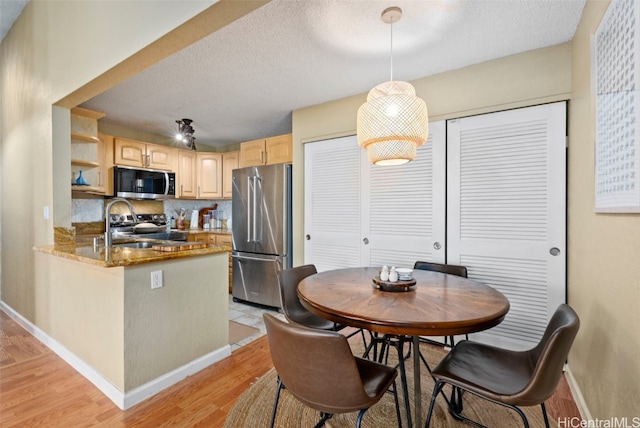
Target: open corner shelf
84 138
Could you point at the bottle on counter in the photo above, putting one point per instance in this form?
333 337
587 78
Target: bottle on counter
173 222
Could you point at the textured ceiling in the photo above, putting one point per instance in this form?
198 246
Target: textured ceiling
9 12
243 81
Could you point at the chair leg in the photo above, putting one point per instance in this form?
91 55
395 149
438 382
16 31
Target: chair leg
403 380
455 408
360 415
544 413
397 403
275 403
436 390
324 417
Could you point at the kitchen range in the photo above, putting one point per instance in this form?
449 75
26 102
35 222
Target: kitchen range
149 226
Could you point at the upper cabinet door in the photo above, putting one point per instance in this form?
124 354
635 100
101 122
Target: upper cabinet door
186 186
209 173
230 161
278 149
129 152
160 157
252 153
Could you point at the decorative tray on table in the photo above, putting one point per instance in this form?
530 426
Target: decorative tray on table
399 285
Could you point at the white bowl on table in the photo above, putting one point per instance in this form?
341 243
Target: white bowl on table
404 274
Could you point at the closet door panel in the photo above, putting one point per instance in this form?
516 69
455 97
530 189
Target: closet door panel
506 211
332 203
407 205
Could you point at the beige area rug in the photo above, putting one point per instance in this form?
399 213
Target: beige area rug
253 407
238 331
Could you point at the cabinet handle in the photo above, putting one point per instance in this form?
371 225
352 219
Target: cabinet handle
262 157
148 161
99 178
198 193
181 191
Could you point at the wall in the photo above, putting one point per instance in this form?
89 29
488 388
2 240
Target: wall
603 268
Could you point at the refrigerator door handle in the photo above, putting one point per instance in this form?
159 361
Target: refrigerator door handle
249 210
256 259
255 212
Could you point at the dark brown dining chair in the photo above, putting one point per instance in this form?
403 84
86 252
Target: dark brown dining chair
288 280
457 270
337 383
511 378
442 268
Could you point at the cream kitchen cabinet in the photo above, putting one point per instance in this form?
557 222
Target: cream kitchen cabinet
230 161
186 178
266 151
199 175
135 153
209 175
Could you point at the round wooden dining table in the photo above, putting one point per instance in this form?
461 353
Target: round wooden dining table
437 305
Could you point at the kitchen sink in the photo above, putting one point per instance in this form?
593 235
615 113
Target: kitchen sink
138 244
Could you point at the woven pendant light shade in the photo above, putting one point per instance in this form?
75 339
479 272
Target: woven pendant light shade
392 123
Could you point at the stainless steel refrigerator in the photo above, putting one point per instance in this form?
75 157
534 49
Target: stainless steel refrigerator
261 225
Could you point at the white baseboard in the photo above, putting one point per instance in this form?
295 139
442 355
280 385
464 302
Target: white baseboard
120 399
578 398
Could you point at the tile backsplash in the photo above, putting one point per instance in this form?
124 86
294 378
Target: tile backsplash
88 210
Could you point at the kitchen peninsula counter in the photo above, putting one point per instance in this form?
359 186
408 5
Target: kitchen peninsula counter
122 256
134 321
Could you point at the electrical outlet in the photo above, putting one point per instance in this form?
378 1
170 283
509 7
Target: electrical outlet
156 279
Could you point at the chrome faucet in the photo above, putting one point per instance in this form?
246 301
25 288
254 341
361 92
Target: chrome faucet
107 228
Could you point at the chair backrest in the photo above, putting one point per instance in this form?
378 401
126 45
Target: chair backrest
442 268
288 280
548 357
316 366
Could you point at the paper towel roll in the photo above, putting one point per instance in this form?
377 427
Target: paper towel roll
194 219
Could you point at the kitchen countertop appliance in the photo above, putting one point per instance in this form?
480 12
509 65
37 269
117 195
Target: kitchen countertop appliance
261 226
152 226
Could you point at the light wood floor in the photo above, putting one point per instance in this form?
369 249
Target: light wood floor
37 388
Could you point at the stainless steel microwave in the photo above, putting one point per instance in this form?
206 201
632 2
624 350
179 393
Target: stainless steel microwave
139 183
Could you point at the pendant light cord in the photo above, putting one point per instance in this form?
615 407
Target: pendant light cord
391 49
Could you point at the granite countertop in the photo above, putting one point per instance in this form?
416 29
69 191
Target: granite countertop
216 231
123 256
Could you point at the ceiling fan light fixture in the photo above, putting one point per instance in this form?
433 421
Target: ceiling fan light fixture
394 121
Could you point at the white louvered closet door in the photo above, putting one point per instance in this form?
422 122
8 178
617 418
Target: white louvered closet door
405 210
332 174
506 212
358 214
